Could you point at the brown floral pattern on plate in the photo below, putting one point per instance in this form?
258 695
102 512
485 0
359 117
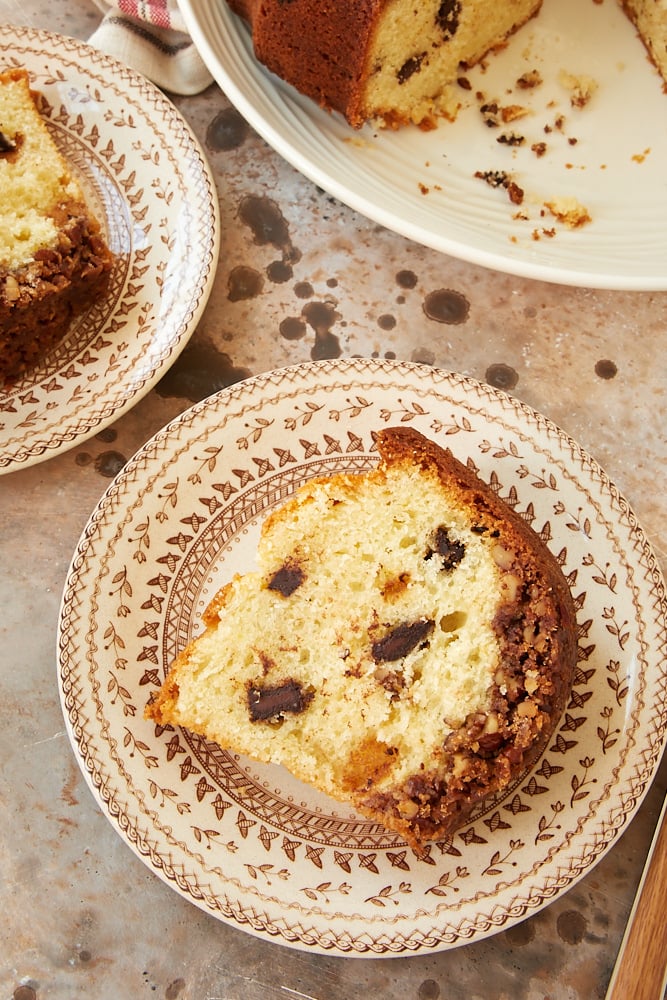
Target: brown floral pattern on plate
247 842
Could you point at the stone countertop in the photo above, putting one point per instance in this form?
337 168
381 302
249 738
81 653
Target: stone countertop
81 915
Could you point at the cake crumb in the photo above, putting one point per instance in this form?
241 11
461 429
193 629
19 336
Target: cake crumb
569 211
511 139
580 86
537 234
529 80
511 112
495 114
501 179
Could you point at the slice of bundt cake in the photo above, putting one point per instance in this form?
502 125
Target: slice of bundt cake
406 646
53 260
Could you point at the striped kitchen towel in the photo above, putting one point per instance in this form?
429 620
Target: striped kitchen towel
150 36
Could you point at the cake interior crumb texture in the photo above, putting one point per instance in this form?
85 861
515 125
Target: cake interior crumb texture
53 259
403 646
34 178
442 38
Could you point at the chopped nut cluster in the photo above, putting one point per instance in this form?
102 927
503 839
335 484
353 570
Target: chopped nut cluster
501 179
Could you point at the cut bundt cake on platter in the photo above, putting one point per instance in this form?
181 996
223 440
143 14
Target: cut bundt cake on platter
407 644
394 62
385 60
54 262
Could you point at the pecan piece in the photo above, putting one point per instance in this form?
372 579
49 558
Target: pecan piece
490 744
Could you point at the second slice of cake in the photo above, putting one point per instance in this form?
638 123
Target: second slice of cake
54 262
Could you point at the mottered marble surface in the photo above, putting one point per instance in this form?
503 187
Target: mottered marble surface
300 277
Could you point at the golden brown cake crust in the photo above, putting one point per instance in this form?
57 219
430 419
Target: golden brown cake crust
320 48
526 681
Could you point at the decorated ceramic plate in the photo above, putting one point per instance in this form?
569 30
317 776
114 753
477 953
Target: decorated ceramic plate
607 155
247 842
147 181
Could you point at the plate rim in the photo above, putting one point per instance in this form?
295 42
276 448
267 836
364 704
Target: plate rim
358 367
20 454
